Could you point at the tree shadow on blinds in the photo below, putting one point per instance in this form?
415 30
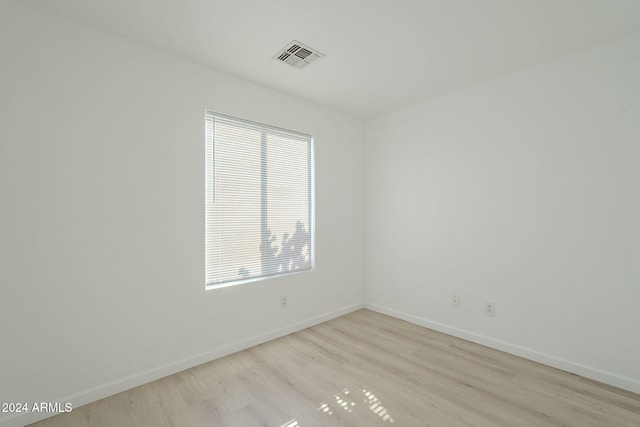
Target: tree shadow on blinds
293 254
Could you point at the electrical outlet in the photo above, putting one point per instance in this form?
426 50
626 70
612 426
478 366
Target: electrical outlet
455 301
284 301
490 309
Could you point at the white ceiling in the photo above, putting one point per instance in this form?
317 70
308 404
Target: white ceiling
381 55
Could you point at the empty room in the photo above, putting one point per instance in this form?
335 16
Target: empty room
304 213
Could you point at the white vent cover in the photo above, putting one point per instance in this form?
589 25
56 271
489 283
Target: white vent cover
298 55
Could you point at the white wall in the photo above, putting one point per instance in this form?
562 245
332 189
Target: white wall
522 192
102 219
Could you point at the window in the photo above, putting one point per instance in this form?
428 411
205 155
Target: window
259 204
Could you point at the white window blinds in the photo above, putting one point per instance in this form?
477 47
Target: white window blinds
258 201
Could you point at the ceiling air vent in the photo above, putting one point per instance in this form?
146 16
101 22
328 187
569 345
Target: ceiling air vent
298 55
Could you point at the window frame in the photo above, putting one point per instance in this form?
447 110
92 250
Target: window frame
265 129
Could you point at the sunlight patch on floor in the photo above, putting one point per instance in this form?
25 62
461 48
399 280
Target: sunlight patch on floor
376 406
324 407
345 400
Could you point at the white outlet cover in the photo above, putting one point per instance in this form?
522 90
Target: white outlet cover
455 300
490 309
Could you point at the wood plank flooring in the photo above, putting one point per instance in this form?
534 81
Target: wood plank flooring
364 369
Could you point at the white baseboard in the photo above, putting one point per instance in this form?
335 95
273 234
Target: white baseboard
544 358
122 384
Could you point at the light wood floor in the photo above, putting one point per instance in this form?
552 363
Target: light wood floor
364 369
